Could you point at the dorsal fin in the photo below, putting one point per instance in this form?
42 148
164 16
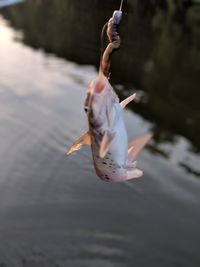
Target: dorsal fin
126 101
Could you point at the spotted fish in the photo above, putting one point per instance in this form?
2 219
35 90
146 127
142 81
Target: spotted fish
113 156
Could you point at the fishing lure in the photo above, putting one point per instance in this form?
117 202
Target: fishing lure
114 157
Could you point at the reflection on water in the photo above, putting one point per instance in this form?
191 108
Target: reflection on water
5 3
54 211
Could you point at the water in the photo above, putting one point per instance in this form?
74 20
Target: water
55 211
4 3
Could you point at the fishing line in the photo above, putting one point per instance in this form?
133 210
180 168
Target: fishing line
121 5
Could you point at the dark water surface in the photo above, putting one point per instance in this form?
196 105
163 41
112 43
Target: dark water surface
55 212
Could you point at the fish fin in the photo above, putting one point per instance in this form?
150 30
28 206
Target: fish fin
137 144
127 100
135 173
104 146
85 139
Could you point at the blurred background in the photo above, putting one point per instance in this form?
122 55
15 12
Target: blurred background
54 211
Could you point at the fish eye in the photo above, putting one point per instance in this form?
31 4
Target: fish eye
86 108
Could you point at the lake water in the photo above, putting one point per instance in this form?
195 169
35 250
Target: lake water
4 3
55 211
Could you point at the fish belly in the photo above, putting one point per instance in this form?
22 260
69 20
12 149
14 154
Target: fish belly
111 167
119 146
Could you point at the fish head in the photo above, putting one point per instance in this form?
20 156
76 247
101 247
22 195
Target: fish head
100 97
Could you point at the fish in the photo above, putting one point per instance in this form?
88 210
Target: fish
114 157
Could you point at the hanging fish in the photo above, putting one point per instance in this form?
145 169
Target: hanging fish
113 156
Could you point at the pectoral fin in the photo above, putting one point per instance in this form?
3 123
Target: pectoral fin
127 101
85 139
104 146
136 145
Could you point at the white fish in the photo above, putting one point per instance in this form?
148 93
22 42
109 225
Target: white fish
113 156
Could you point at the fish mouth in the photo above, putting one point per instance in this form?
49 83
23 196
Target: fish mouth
99 87
100 83
96 87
